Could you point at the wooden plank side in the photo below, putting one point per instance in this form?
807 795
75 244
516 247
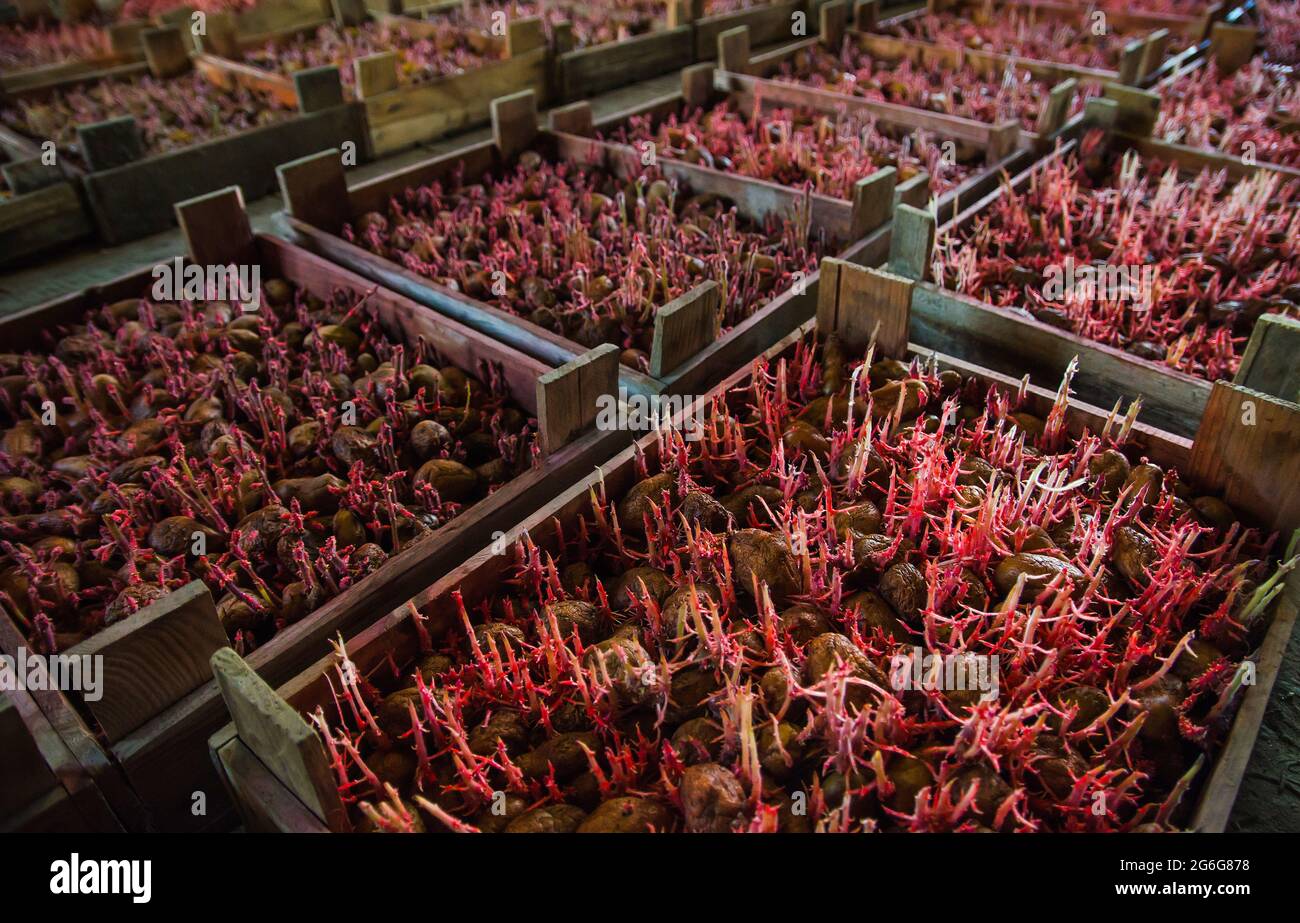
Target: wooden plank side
153 658
684 327
412 115
1015 342
279 737
1247 449
586 72
40 221
1271 363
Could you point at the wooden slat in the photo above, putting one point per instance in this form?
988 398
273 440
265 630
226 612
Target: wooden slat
216 229
524 35
856 304
567 396
1232 45
315 190
376 74
873 201
416 114
514 123
733 50
166 52
684 327
575 119
1271 363
279 737
585 72
265 804
1246 449
913 242
1056 108
153 657
1137 109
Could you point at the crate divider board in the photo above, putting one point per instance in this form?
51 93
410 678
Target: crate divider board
163 757
953 322
580 73
318 204
262 773
124 49
399 117
42 213
768 24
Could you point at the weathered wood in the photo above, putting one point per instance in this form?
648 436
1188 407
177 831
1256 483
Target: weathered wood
349 12
585 72
216 229
315 189
858 305
166 52
41 221
265 805
575 119
1246 449
1270 363
1130 62
567 397
733 50
1232 45
832 20
873 201
221 36
766 24
1220 793
110 143
525 35
684 327
1056 108
913 242
279 737
124 38
318 88
914 192
866 14
153 658
697 84
24 774
1153 52
514 122
1136 110
376 74
136 199
684 12
423 112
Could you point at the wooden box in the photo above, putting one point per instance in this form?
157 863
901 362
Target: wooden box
275 763
162 705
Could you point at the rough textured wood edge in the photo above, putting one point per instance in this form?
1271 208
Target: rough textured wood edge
567 397
1246 449
1271 363
216 228
279 737
859 305
153 658
684 327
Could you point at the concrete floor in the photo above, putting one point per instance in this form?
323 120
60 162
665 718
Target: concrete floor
1270 795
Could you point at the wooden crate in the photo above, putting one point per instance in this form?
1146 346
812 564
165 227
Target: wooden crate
275 764
42 211
687 354
402 116
756 72
1141 57
127 54
162 706
999 338
129 192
